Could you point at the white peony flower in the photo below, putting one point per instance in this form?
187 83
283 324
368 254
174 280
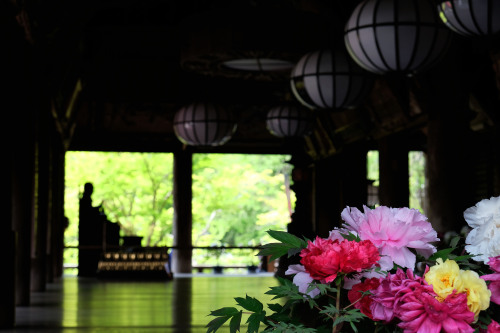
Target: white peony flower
484 238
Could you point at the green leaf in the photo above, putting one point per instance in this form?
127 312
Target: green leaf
351 237
274 250
294 251
287 238
226 311
286 289
288 328
289 245
234 324
216 323
330 309
454 241
250 304
443 254
254 321
275 307
354 328
462 258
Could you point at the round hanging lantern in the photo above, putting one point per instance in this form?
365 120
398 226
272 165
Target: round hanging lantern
403 36
289 121
471 17
204 124
329 80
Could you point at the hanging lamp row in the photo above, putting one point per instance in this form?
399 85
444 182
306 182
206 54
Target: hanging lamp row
380 36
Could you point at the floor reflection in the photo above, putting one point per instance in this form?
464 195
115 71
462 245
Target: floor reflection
178 306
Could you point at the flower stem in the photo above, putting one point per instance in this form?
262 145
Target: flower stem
336 328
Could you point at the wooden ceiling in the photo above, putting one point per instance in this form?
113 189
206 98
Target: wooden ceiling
118 70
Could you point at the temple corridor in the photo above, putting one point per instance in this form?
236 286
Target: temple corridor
76 304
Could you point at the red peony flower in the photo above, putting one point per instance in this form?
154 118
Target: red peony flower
323 259
356 293
358 256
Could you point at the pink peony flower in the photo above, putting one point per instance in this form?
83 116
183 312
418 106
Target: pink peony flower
420 311
493 327
385 298
323 259
494 285
393 231
361 301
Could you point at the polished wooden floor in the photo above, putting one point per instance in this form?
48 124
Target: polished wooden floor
77 305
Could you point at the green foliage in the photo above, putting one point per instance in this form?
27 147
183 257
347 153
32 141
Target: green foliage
281 319
235 198
135 190
416 169
288 244
282 327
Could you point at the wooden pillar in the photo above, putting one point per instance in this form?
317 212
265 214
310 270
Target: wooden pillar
339 181
182 228
42 204
16 82
327 195
354 176
22 203
394 187
58 217
445 95
302 219
448 177
7 247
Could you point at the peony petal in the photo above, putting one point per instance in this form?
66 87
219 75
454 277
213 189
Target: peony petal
302 280
401 256
494 287
294 269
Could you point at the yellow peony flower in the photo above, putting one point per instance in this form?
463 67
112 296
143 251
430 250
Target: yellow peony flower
478 294
447 277
443 277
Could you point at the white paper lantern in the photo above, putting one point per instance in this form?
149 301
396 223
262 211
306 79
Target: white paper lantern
289 121
471 17
329 80
204 124
404 36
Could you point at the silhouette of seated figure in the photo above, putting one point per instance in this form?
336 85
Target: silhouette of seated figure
90 233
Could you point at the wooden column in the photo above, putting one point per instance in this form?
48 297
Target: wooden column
394 188
42 204
445 96
302 220
354 176
58 217
16 94
182 228
7 247
340 181
22 204
327 195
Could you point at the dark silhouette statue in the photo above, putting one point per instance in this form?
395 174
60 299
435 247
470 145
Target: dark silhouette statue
96 233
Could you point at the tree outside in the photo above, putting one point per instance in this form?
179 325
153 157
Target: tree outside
236 198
